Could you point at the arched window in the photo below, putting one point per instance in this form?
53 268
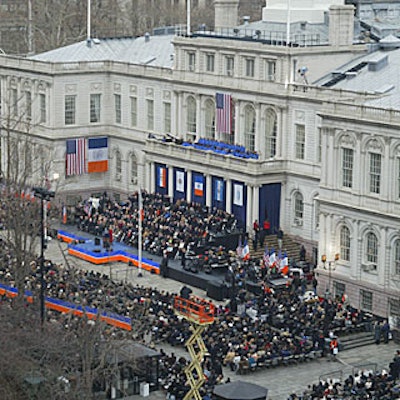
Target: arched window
118 165
271 129
134 169
249 128
210 119
371 248
298 209
345 243
191 115
397 257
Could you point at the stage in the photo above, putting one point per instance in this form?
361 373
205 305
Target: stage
93 249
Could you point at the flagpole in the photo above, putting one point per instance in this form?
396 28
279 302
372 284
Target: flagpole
188 18
288 24
288 41
88 21
140 233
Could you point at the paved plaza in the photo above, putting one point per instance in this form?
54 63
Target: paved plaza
281 381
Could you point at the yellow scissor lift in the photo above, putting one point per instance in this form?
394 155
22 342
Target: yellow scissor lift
200 314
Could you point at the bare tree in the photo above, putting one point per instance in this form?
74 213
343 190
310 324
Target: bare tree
24 165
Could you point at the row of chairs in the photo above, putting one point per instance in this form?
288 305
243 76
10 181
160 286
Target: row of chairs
223 150
263 363
210 142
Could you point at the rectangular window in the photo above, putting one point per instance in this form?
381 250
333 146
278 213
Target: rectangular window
229 65
14 100
117 105
339 289
69 109
375 173
95 107
345 243
366 300
192 61
250 67
42 106
210 60
28 104
271 70
150 114
300 141
133 111
167 117
347 167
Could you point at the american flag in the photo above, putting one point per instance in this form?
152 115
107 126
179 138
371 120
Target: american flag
224 113
75 162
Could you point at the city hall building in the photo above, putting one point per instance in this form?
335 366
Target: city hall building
294 119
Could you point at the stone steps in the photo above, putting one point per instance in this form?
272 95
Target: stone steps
289 246
356 340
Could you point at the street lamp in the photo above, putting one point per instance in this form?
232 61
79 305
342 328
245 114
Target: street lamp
331 266
44 195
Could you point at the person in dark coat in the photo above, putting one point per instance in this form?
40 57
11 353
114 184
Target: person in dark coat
386 331
186 292
183 258
302 253
377 332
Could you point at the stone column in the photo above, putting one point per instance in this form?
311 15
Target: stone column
189 185
249 208
257 140
228 195
208 190
148 184
170 181
152 177
256 204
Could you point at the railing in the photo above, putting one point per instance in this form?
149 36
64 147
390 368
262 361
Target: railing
363 112
196 309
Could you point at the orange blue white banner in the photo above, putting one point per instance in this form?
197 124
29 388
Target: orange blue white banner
97 154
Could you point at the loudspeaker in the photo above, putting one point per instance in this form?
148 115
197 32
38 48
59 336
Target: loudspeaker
97 241
215 291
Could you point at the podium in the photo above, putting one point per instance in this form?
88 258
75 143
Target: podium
144 389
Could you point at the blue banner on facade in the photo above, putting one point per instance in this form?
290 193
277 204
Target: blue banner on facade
179 184
161 178
218 195
239 202
198 188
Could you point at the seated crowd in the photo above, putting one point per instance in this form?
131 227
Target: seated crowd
273 329
166 225
267 329
363 385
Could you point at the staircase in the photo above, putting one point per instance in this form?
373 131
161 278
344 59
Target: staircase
289 246
356 340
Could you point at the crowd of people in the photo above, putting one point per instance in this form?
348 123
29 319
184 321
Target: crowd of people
363 385
250 330
166 226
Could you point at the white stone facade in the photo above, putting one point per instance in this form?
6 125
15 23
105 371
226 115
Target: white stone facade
308 126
